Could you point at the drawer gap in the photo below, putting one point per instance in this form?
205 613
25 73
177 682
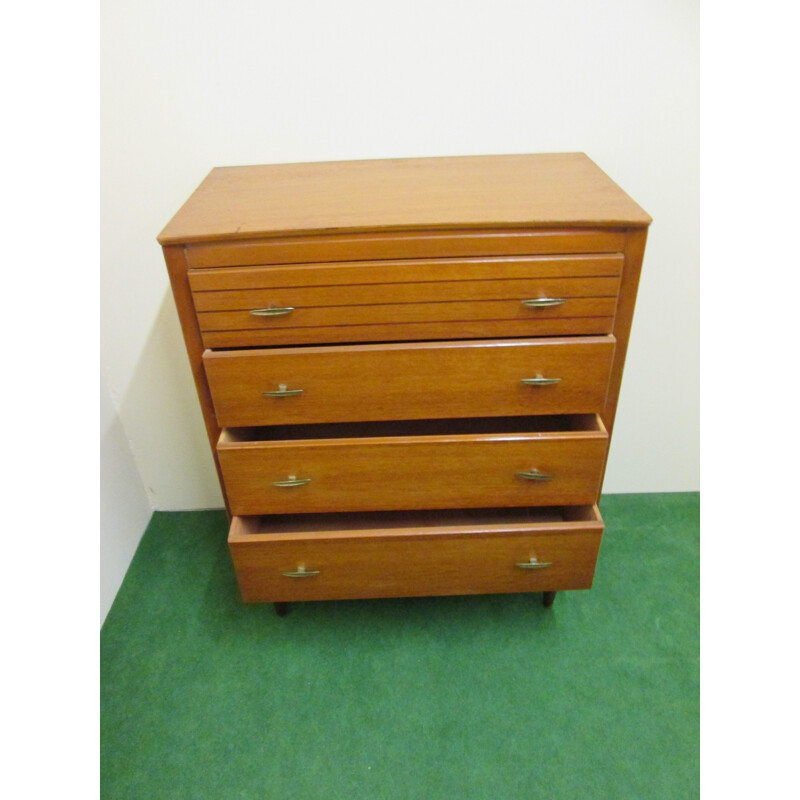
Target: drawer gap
423 427
411 340
491 519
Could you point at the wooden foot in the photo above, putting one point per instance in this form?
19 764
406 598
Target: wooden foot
281 609
547 599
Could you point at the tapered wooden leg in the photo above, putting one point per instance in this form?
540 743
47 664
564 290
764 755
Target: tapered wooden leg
547 599
281 609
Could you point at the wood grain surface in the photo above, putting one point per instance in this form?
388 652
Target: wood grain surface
360 274
412 472
409 381
409 331
358 310
326 247
545 190
435 559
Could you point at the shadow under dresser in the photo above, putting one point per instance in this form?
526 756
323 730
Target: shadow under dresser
409 369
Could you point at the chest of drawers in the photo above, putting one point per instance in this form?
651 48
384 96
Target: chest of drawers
409 369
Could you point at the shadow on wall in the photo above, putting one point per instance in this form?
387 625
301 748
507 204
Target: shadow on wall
164 423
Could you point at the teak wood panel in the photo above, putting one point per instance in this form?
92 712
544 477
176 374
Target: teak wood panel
181 292
403 313
405 293
428 193
409 331
440 560
369 246
634 254
358 274
409 381
412 472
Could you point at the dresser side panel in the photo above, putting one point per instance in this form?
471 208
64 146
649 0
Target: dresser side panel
177 268
634 255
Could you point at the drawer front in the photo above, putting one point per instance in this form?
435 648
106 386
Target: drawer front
413 472
211 286
410 332
402 300
361 247
434 560
594 314
413 381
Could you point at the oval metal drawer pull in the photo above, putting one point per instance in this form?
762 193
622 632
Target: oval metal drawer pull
539 380
534 475
282 391
301 572
534 563
544 302
291 481
271 311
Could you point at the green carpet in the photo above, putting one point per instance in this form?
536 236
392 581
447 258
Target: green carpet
454 697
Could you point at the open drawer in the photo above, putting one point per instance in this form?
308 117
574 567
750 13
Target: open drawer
392 466
405 554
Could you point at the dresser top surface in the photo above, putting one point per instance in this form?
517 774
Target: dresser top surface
545 190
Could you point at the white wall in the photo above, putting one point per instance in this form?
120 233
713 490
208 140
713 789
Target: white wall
124 507
188 85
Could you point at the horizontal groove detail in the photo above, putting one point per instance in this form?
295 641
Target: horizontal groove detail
402 283
399 324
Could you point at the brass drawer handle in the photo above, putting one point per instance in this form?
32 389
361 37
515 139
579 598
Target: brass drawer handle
282 391
534 475
301 572
544 302
539 380
534 563
291 481
272 311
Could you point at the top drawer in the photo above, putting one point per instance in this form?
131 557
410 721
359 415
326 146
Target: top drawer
407 299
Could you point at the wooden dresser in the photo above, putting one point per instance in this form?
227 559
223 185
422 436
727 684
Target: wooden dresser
409 369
